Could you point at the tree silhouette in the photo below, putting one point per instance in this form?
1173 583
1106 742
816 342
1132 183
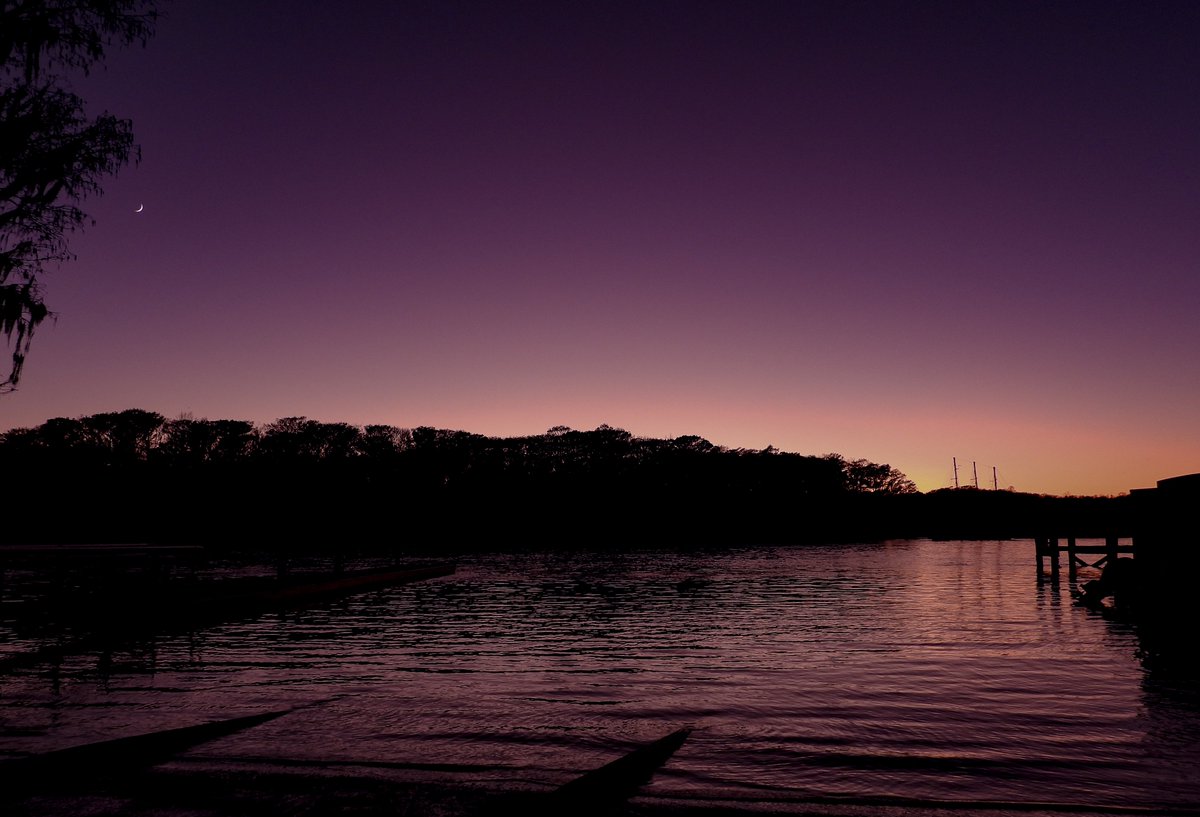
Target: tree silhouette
52 154
126 436
188 442
866 477
297 482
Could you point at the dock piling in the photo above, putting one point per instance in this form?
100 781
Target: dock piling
1047 548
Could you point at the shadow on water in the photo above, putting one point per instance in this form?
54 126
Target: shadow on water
1170 684
125 604
1163 630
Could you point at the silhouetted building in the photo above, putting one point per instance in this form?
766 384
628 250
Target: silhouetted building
1166 540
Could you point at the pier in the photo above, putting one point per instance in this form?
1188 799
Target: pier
1049 548
1160 576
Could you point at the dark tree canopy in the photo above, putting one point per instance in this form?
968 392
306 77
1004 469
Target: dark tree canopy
136 476
298 479
53 155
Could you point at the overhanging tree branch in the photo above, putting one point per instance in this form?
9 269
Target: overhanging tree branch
52 154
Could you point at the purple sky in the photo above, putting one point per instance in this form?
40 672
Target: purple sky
898 231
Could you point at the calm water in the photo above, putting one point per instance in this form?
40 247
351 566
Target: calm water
918 669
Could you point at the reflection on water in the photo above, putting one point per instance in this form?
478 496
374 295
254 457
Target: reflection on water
910 669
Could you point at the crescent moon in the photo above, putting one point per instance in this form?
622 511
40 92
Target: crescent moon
141 207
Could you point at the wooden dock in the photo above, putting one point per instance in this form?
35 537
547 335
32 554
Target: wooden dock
1049 548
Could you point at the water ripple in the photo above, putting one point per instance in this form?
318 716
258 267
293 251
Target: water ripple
935 670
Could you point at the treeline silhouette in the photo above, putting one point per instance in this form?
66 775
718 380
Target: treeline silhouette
299 483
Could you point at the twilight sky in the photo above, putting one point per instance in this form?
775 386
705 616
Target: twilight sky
899 231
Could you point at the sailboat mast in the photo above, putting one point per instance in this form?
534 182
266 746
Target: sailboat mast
975 473
995 485
955 461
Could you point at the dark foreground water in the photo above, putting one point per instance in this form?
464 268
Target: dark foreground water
917 669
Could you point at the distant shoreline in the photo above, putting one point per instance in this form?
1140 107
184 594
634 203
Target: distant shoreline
134 476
